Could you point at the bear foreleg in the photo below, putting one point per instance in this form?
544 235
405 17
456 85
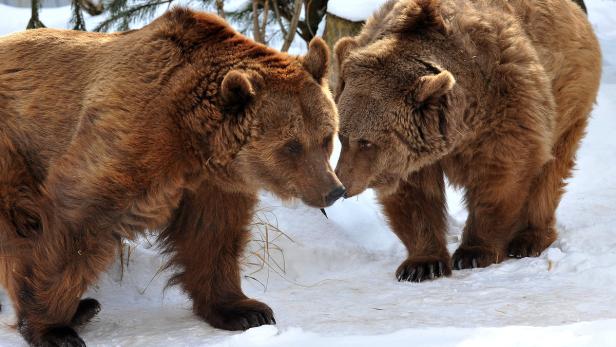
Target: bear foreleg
417 214
207 236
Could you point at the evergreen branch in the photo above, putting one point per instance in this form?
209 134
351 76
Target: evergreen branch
126 16
77 16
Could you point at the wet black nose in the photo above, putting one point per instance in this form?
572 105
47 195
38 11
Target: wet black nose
334 195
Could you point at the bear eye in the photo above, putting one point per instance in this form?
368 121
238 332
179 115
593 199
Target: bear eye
293 147
365 144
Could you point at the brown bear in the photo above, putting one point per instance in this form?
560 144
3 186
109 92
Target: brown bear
173 127
494 95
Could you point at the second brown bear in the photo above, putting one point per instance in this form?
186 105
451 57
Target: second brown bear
495 95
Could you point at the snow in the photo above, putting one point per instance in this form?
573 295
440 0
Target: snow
14 19
581 334
333 284
353 10
235 5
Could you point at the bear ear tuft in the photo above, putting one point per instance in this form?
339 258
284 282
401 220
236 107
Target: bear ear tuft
343 48
316 61
432 87
420 15
237 89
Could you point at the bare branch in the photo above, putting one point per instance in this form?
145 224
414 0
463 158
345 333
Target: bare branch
220 8
297 9
279 18
264 24
256 33
129 13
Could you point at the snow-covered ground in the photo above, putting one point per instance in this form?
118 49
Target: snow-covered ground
334 283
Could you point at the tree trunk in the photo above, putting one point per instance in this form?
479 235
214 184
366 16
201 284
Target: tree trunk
335 29
314 11
35 22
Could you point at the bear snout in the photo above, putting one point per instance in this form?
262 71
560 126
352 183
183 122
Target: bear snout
334 195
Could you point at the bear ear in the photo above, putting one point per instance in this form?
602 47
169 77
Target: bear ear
316 61
420 15
237 89
432 87
343 48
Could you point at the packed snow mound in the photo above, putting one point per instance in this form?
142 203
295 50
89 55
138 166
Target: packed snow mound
353 10
574 335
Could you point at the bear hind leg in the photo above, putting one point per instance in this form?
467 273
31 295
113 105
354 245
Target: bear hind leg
59 273
539 230
19 216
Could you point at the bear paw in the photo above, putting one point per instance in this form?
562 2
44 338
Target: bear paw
530 243
417 269
88 308
61 337
241 315
469 257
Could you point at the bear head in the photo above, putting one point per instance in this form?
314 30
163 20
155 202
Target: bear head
292 121
400 109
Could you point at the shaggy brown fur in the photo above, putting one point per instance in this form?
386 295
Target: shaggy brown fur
493 94
174 126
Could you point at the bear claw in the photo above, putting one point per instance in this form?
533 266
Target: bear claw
522 247
87 309
252 319
531 242
418 269
473 257
242 315
61 337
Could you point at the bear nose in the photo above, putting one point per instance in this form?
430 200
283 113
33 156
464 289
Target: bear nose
334 195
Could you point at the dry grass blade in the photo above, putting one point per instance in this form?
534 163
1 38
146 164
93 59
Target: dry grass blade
265 255
126 249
